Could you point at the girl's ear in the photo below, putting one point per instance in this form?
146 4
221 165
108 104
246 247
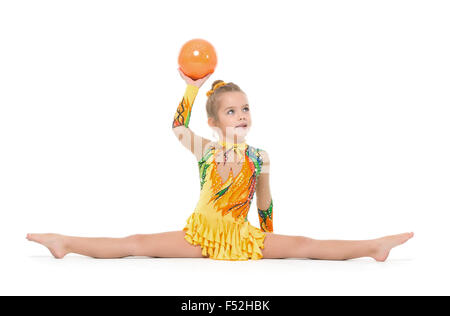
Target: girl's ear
212 122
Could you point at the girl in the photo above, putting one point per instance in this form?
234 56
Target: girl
230 171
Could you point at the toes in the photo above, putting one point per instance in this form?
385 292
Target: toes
33 237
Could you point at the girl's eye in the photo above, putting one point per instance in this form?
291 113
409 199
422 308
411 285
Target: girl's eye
232 111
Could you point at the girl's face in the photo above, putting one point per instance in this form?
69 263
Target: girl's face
234 119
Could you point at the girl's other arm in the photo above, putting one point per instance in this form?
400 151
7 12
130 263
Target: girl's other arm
264 200
180 125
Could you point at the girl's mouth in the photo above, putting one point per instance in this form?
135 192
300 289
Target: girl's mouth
242 125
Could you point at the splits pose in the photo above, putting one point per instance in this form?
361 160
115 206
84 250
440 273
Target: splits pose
230 172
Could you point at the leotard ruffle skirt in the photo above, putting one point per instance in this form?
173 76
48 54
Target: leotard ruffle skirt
224 239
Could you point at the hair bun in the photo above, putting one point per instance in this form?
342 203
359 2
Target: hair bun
216 84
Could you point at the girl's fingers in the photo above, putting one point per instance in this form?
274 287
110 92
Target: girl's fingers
185 78
202 80
207 76
190 80
181 73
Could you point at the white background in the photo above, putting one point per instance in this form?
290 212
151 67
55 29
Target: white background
349 98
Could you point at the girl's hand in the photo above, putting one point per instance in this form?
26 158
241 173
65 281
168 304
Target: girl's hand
198 83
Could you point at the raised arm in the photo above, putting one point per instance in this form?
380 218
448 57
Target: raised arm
264 200
180 125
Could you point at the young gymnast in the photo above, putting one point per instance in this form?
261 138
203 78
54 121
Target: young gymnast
231 172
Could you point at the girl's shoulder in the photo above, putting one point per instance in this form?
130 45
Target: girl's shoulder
259 153
260 159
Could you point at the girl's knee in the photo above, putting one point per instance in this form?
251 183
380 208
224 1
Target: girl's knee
304 241
304 244
135 243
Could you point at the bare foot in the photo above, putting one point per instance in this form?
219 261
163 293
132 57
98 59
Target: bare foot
385 244
54 243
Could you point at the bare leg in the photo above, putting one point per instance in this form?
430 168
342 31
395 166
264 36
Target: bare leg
285 246
167 244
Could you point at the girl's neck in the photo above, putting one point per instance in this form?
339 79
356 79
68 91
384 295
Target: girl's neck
228 143
232 141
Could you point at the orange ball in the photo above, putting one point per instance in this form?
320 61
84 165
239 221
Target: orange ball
197 58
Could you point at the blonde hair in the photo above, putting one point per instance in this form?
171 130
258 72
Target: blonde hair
212 104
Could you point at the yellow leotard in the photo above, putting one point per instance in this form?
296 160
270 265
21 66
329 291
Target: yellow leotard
219 222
